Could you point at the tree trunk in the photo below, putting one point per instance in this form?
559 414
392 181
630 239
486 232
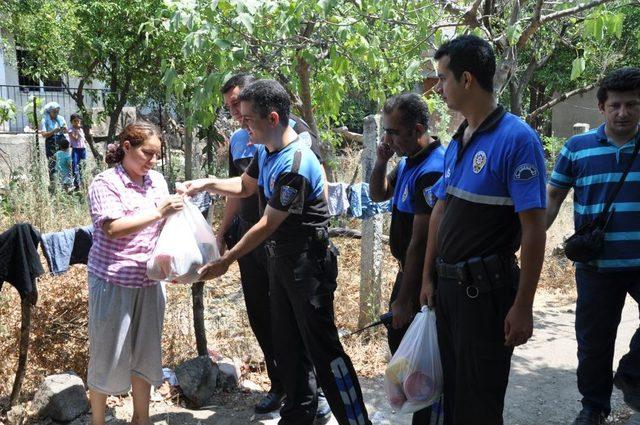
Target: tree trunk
188 153
304 72
123 95
25 328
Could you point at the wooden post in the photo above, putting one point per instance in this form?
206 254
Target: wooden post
25 328
371 246
197 298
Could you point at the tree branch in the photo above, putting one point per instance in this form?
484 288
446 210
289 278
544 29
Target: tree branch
558 100
572 11
533 25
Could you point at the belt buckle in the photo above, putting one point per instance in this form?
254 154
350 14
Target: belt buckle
473 292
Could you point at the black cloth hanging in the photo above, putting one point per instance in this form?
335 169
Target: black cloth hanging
19 260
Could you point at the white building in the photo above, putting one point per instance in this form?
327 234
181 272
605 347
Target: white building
15 85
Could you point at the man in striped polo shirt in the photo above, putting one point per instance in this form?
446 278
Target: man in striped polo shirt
592 163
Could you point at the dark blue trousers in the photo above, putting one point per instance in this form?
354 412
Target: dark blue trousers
601 297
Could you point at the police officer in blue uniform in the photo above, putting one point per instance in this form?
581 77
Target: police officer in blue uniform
406 122
238 217
302 263
491 201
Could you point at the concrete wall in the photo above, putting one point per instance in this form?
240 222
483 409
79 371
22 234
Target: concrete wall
16 155
577 109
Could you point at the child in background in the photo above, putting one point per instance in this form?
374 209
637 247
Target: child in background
63 164
78 150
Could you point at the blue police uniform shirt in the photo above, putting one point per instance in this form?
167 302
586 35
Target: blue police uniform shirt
242 151
499 173
592 165
291 180
412 180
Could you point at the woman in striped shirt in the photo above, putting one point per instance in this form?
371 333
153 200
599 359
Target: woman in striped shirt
128 205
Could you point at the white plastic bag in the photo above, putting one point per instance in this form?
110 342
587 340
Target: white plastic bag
413 378
185 244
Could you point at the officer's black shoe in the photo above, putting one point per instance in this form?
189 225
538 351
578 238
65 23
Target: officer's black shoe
590 417
630 390
272 401
323 406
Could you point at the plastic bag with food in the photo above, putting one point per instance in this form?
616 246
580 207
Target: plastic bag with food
413 378
185 244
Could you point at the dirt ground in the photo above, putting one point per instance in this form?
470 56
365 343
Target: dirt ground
542 388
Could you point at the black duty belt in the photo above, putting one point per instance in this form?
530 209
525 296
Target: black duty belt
316 239
479 274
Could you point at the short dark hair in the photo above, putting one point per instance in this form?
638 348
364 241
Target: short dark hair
241 80
63 144
75 116
268 96
412 108
472 54
621 80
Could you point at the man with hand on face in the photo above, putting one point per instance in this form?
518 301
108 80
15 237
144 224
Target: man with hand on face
301 261
406 120
592 164
491 201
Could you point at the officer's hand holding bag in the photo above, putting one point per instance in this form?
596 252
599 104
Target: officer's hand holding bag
413 379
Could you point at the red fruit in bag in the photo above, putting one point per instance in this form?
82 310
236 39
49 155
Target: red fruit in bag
164 262
418 386
396 397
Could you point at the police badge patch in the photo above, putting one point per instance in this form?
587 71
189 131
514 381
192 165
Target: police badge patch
479 161
429 197
287 194
525 172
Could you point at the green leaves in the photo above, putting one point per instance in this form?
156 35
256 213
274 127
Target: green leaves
577 67
412 69
599 24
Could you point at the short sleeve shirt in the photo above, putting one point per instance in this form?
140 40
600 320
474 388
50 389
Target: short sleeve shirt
499 173
291 180
412 181
241 152
592 165
113 195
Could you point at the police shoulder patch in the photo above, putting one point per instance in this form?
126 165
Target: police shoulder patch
525 172
287 195
429 197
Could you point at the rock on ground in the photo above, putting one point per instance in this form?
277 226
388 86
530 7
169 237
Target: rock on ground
61 397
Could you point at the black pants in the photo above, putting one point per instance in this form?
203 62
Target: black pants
255 286
601 298
475 361
394 337
305 336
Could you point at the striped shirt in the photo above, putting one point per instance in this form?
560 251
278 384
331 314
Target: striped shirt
113 195
592 165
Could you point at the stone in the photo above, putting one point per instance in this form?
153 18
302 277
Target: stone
61 397
251 386
229 373
198 380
